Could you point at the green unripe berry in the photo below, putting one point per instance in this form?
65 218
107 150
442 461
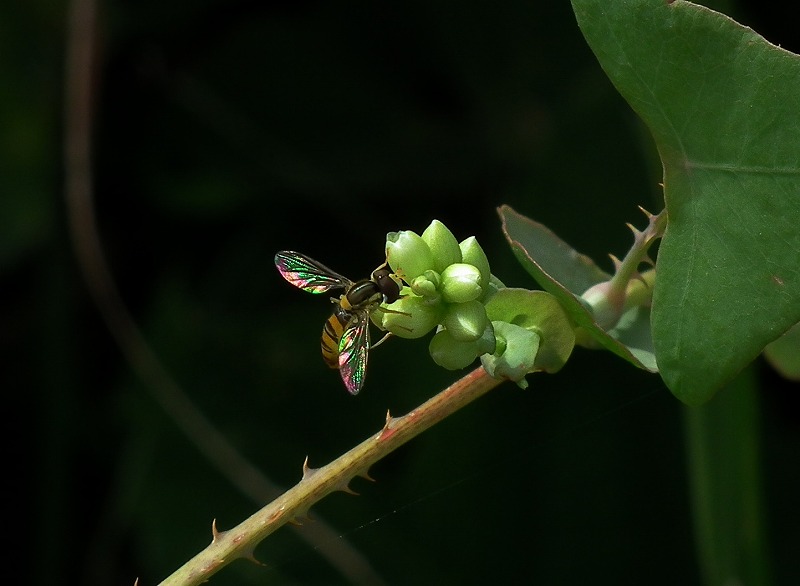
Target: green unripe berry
606 303
408 255
461 283
473 254
466 322
443 245
427 285
452 354
409 317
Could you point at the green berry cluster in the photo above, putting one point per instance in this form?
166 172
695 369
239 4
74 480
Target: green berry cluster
448 283
450 288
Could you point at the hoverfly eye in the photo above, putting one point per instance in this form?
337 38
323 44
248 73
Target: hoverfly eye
387 285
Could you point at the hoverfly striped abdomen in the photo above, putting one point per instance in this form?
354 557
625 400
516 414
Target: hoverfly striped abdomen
332 333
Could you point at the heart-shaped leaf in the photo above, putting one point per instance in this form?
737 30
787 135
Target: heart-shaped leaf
723 106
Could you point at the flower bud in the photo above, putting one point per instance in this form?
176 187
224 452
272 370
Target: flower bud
427 285
461 283
452 354
408 254
606 303
466 322
408 317
473 254
443 245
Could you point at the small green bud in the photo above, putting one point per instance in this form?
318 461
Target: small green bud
409 317
427 285
452 354
473 254
449 284
443 245
606 303
461 283
466 322
408 254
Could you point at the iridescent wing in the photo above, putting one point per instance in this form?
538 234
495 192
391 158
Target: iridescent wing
307 274
353 352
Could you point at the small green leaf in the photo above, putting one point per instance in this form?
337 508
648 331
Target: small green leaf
566 274
555 265
515 354
723 105
540 312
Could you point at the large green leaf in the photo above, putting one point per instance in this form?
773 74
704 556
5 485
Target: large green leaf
723 106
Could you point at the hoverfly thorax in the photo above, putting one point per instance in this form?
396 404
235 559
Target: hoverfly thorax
363 294
368 294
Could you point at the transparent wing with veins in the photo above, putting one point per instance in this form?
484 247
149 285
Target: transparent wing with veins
353 352
307 274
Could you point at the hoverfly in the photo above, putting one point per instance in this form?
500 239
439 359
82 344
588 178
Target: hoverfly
345 337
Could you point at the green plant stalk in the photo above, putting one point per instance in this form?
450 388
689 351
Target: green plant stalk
725 485
628 268
293 505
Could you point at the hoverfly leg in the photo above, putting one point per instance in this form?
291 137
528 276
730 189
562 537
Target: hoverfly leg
381 341
387 310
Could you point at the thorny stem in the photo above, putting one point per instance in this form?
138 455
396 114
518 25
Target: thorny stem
627 269
240 541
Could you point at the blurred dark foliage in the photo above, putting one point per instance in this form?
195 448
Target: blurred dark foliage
226 131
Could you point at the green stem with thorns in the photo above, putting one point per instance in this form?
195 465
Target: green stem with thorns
240 541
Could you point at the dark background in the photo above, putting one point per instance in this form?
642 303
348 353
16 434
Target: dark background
226 131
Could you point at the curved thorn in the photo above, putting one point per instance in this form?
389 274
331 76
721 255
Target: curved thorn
637 234
215 534
250 557
346 488
616 261
307 470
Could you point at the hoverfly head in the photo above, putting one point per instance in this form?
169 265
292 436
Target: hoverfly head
388 283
